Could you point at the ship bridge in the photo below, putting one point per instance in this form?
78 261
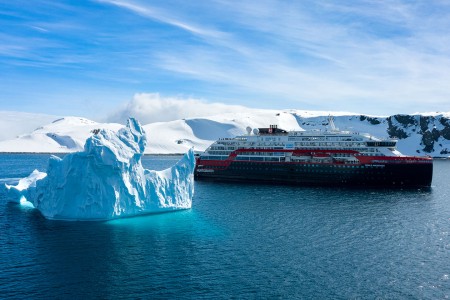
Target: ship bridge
273 129
381 143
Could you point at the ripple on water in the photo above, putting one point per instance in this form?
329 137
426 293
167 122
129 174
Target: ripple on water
238 240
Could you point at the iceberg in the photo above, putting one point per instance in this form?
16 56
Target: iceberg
107 180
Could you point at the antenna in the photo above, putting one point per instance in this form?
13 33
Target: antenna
249 130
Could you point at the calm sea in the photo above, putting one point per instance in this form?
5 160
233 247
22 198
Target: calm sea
237 241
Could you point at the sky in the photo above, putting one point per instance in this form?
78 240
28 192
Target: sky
105 58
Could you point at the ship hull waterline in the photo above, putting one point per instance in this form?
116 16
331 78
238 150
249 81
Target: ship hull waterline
394 175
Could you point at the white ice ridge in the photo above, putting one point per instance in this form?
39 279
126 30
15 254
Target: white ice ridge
107 180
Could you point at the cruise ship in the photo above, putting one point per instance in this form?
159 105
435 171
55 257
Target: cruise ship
316 157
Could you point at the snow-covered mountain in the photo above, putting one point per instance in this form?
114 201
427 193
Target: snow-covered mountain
418 134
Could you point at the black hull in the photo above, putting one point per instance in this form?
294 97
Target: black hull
405 175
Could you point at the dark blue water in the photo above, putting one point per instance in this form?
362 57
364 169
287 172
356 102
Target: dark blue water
238 241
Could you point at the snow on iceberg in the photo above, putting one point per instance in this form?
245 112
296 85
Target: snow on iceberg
107 180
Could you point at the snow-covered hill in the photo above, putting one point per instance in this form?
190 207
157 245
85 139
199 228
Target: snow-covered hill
62 135
180 135
419 134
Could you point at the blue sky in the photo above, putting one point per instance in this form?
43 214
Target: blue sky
90 58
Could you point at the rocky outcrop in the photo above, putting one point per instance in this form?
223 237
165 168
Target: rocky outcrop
434 131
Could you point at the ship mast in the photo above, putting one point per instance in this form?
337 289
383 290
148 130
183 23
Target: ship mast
331 123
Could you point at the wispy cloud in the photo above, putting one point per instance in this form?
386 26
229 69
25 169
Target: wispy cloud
389 56
163 16
387 53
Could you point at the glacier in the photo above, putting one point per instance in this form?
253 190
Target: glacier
107 180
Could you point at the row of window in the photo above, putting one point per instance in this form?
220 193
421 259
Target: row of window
326 138
311 146
262 153
256 158
307 165
214 152
328 171
214 157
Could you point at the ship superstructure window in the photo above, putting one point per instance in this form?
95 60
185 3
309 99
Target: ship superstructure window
213 157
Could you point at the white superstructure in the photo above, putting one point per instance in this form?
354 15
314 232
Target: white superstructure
274 138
